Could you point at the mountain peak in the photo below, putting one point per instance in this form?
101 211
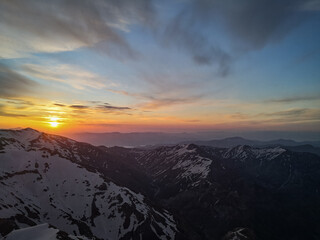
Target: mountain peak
23 136
72 186
29 129
244 151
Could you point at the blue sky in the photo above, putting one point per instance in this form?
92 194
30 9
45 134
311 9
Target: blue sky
178 64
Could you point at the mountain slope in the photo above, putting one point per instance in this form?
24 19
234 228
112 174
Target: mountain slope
267 191
236 141
79 190
41 232
47 179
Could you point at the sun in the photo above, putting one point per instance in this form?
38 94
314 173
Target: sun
54 122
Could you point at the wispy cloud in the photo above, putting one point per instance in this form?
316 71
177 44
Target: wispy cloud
312 5
213 34
253 23
248 25
76 106
59 104
294 115
157 101
13 84
182 32
4 113
166 88
94 107
53 26
299 114
107 106
294 99
67 74
20 102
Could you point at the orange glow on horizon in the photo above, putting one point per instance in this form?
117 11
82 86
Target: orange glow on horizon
54 122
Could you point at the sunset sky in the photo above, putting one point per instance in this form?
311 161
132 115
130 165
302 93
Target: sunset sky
124 65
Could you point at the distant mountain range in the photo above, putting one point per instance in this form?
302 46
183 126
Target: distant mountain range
53 187
235 141
307 146
158 139
138 139
135 139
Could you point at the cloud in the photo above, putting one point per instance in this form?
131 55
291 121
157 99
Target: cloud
59 105
202 27
20 102
108 107
115 108
288 113
294 99
76 106
306 57
4 113
298 114
157 101
140 96
97 107
312 5
67 74
183 32
12 84
280 117
64 25
253 23
167 88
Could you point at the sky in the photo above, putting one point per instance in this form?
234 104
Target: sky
141 65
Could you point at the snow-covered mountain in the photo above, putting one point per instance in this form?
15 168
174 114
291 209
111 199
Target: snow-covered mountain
47 179
41 232
57 188
190 165
178 164
236 141
218 191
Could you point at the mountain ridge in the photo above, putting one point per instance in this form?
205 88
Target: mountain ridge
50 177
184 191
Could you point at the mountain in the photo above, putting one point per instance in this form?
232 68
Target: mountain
235 141
135 139
55 180
241 192
306 146
57 188
41 232
140 139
